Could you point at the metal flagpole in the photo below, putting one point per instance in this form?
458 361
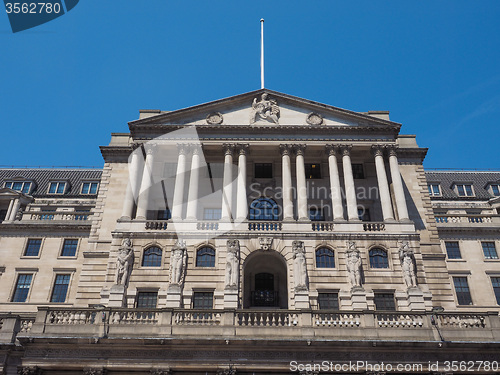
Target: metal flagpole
262 53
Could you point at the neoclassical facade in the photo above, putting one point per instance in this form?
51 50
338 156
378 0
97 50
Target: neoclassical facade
257 234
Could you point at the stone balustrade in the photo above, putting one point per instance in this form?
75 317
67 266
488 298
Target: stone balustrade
448 220
56 216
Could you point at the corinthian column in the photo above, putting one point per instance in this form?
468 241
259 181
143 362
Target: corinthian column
227 182
133 185
194 181
179 182
302 213
286 172
147 183
350 189
397 183
383 185
242 203
338 211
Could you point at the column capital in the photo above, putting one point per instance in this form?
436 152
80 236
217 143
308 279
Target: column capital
196 150
243 148
378 150
135 145
299 149
286 149
332 150
345 150
393 150
150 148
228 148
183 148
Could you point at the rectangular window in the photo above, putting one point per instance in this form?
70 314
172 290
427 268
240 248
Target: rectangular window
495 190
60 290
495 281
313 171
212 213
384 301
328 301
147 300
57 187
462 290
364 214
69 248
33 247
22 288
263 170
90 187
453 250
434 190
358 172
316 214
22 186
465 190
203 300
164 214
489 250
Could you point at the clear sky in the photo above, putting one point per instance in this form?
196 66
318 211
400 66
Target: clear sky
435 65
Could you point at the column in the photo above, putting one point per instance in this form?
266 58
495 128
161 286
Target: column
9 211
350 189
383 185
338 211
15 208
302 213
286 176
397 183
146 183
133 185
194 182
241 197
180 177
227 182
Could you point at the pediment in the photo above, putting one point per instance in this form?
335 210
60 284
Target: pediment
263 108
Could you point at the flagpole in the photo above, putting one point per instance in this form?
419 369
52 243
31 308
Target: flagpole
262 53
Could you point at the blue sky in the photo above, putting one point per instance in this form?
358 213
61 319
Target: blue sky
66 85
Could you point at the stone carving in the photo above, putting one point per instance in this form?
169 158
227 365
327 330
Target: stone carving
94 371
29 370
299 265
314 119
157 371
232 264
214 118
227 371
407 258
265 243
178 263
19 214
124 262
353 264
266 109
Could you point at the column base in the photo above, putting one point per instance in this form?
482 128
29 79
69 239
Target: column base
140 218
390 220
125 218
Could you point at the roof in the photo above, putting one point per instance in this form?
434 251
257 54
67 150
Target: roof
479 181
42 178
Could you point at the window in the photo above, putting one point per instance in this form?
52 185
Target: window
22 186
164 214
462 290
57 187
378 258
205 257
464 190
264 209
47 213
263 170
328 301
203 300
69 248
212 213
384 301
325 258
60 290
364 214
90 187
453 250
495 190
489 250
495 281
22 288
434 190
358 172
146 300
152 257
313 171
316 214
33 247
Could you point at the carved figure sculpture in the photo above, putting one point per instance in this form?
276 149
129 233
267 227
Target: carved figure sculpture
299 265
265 243
265 109
232 264
178 263
124 262
353 264
407 258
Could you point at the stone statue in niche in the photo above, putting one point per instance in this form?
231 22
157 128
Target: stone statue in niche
124 262
299 265
407 258
178 263
266 109
232 264
353 264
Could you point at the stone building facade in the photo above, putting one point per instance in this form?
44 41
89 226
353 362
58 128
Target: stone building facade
257 234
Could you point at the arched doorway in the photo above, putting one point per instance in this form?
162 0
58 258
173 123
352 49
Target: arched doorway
265 280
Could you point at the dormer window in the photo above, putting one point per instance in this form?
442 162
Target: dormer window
464 190
22 186
90 188
57 187
434 190
495 190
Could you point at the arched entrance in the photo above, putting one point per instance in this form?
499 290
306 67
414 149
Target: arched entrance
265 280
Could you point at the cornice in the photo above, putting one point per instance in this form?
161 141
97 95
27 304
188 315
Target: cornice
116 153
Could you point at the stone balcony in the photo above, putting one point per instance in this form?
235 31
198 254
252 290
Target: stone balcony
468 222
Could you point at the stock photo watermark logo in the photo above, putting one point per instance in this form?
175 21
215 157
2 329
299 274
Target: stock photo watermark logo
28 14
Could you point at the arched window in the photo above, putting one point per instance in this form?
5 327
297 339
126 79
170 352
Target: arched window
152 257
325 258
205 257
264 209
378 258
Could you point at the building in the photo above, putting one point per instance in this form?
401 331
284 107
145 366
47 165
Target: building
257 234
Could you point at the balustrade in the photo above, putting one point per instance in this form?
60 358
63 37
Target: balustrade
322 319
264 225
156 224
400 320
373 227
266 319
